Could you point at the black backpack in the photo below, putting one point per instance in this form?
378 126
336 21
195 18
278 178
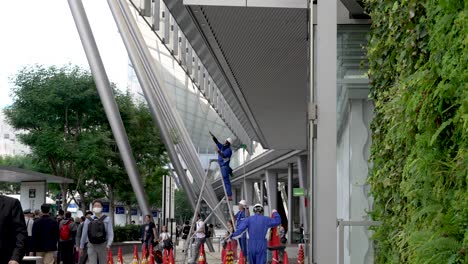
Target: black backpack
97 231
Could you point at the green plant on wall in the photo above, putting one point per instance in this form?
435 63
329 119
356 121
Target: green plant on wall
418 62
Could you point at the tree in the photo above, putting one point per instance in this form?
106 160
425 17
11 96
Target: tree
183 210
62 114
148 150
67 131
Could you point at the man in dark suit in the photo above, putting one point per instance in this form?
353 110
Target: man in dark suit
13 231
45 235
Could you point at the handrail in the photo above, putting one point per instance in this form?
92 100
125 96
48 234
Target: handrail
341 225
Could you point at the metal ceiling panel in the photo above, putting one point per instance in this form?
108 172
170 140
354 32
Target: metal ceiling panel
265 49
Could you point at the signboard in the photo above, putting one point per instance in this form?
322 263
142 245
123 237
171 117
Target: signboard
105 208
298 192
155 213
72 208
119 210
134 211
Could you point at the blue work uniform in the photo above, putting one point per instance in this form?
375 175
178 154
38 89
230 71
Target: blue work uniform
257 226
240 217
224 157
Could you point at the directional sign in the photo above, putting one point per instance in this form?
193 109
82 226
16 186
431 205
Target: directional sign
298 192
134 211
119 210
105 208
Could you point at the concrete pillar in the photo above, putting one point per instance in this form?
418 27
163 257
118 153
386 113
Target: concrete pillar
290 204
272 189
261 186
248 191
325 208
302 174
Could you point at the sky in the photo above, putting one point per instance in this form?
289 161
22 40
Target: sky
43 32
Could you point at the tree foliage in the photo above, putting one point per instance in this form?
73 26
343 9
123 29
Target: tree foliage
418 69
68 131
183 210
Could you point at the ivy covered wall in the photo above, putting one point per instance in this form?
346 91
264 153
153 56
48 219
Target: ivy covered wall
418 62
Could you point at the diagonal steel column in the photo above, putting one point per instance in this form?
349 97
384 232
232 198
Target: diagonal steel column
155 108
184 145
108 100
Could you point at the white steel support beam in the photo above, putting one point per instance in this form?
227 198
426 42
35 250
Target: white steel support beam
325 189
272 191
290 198
108 101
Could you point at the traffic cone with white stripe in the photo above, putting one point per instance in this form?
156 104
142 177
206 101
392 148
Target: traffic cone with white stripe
135 255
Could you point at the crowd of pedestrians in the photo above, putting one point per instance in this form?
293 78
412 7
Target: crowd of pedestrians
57 239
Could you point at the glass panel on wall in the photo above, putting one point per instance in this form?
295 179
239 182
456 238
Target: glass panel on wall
354 113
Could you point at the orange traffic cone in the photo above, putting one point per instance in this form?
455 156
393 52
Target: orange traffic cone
135 255
241 258
285 257
171 257
165 257
275 257
144 257
151 258
110 259
119 256
201 256
229 257
300 255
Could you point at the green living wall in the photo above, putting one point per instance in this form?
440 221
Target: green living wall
419 71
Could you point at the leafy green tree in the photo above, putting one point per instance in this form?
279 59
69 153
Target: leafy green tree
62 114
67 131
148 150
183 211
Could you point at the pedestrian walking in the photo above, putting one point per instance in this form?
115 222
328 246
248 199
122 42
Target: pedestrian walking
199 237
45 235
68 229
149 235
98 233
82 258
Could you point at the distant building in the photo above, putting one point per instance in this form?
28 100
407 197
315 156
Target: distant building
9 141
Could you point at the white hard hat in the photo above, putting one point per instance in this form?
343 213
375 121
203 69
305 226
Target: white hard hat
258 208
243 202
229 140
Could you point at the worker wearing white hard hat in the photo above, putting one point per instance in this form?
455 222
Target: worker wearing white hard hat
257 227
224 157
240 217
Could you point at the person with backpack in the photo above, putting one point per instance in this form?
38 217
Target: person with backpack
165 239
67 231
98 233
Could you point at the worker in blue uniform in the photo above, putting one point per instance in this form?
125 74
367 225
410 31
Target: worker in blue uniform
224 157
240 217
257 227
